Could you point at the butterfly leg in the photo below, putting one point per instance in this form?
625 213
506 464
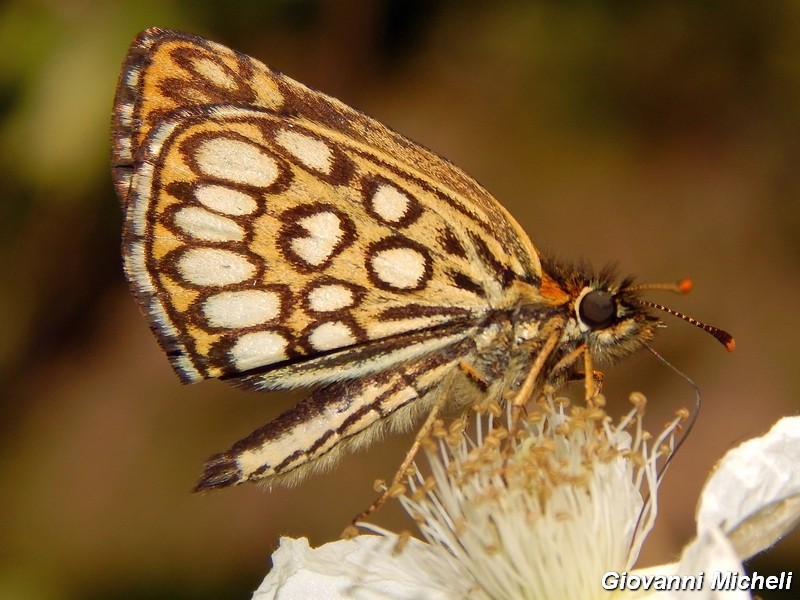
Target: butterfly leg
588 372
479 382
396 485
531 380
593 380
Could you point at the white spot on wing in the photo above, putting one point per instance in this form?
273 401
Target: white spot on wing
400 268
132 79
124 144
204 225
243 308
214 266
311 152
331 335
225 200
125 112
330 297
389 203
257 349
324 232
237 161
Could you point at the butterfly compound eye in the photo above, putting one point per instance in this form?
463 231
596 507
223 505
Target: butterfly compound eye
597 309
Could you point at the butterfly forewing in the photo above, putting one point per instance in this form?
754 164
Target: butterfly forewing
167 72
270 227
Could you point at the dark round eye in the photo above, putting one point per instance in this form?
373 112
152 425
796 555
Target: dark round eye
597 309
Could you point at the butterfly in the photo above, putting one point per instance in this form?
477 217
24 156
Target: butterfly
276 238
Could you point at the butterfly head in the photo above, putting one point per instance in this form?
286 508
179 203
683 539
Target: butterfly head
608 315
609 319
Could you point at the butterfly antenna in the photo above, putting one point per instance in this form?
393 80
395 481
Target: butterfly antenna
725 338
684 286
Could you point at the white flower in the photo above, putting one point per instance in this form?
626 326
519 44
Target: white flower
750 501
360 569
557 514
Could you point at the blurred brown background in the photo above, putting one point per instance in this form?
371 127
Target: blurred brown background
663 135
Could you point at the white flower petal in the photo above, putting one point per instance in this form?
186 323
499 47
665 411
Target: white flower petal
754 493
363 568
709 554
712 554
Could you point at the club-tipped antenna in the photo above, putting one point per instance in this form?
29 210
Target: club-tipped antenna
725 338
684 286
